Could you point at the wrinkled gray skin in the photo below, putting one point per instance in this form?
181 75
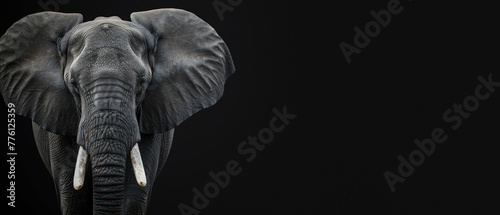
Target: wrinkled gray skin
105 85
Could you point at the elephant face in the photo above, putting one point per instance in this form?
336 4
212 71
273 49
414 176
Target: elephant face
108 86
107 70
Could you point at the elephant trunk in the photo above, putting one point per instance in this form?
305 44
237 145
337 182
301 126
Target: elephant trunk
108 140
108 176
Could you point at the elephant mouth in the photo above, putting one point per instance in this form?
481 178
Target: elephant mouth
81 165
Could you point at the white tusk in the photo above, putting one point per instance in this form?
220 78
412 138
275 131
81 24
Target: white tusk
81 163
140 175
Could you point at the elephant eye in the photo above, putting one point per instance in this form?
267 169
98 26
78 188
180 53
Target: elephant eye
76 89
140 85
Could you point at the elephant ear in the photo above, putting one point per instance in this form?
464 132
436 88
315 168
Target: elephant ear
191 65
30 71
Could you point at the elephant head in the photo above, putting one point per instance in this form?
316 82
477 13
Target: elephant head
107 84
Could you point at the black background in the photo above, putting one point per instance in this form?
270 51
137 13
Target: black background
353 120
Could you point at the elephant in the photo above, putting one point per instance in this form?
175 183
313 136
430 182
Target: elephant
106 95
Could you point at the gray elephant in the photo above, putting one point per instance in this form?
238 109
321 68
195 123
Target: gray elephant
105 96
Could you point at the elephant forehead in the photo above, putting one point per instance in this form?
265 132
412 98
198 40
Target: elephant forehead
100 18
106 40
107 47
107 32
106 35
